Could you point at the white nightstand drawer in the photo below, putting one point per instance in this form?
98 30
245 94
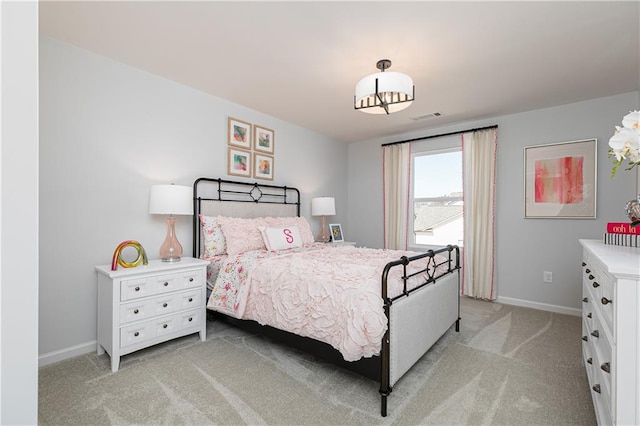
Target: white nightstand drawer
136 333
135 311
141 287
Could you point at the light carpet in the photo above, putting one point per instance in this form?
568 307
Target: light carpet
507 366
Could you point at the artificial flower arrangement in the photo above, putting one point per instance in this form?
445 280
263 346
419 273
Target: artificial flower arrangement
625 143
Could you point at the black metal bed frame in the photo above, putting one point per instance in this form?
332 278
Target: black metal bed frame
369 367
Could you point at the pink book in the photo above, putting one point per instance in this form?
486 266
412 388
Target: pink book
622 228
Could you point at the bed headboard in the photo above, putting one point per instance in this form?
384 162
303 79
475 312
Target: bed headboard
219 197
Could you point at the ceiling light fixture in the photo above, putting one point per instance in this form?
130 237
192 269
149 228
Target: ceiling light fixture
384 92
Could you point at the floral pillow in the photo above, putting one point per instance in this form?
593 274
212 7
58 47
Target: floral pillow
279 238
213 241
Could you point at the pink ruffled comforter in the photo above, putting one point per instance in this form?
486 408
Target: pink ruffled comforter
326 292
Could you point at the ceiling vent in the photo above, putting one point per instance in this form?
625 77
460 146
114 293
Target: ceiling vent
425 116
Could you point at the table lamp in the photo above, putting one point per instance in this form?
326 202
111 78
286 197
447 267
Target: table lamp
171 200
323 206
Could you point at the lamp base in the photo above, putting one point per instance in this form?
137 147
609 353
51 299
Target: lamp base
171 249
323 236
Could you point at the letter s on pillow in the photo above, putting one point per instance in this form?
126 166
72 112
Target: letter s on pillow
282 237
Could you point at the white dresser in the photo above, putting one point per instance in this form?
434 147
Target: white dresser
142 306
611 330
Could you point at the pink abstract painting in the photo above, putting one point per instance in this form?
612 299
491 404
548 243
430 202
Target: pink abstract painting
559 180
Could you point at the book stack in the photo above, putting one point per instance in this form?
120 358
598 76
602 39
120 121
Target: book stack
622 234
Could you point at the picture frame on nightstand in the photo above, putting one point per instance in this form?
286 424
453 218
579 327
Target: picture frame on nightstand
335 229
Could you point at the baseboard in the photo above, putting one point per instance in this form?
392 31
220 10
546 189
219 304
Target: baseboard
70 352
540 306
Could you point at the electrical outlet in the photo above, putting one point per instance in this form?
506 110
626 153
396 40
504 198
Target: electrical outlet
547 277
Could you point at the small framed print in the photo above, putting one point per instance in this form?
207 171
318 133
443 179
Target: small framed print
239 162
263 139
336 233
239 133
560 180
262 166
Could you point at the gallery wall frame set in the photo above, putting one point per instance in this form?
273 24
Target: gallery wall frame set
250 151
560 180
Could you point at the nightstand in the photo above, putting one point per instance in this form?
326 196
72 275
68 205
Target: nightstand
143 306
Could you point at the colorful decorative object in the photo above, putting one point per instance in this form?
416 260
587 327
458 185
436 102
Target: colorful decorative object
117 255
625 143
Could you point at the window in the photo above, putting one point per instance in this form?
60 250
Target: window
437 196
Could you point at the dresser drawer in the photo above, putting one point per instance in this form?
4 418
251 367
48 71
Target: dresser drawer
138 333
149 286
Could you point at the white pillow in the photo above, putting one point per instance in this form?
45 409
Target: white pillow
282 237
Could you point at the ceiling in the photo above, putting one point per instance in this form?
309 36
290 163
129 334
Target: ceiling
300 61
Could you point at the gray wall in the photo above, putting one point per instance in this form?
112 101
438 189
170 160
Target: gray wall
19 213
524 247
107 133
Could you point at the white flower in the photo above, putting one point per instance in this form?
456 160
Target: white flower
625 143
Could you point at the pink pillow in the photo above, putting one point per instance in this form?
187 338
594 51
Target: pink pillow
241 234
212 242
303 226
283 237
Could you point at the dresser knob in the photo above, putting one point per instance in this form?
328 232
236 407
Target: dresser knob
191 279
588 271
191 299
584 264
589 360
606 367
595 333
165 284
135 311
605 301
165 326
585 338
136 334
595 285
596 388
585 300
589 315
164 305
137 289
591 277
190 319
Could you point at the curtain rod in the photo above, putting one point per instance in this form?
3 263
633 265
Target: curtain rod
495 126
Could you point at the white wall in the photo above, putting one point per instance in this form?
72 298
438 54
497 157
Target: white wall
19 213
524 247
107 133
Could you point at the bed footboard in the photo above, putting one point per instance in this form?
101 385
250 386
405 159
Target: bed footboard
418 318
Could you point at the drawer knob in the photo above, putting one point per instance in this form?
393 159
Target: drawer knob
585 300
589 360
191 279
606 367
589 315
606 301
165 284
191 299
164 305
596 387
137 289
591 277
190 319
136 334
595 284
165 326
595 333
585 338
588 271
136 311
584 264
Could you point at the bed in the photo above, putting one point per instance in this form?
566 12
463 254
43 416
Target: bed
373 311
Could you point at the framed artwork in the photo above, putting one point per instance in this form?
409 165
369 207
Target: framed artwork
560 180
239 162
262 166
336 233
239 133
263 139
